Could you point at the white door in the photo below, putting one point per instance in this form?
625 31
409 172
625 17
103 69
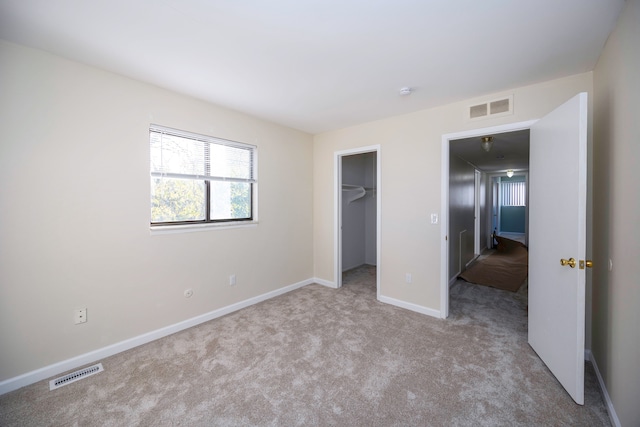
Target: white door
558 176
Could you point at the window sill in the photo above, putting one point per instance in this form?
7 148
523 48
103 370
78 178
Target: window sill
192 228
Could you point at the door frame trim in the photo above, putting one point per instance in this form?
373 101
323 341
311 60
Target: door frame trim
444 201
337 212
477 226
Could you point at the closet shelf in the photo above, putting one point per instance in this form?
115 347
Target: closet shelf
348 187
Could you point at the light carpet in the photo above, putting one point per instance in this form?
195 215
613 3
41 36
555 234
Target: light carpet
325 357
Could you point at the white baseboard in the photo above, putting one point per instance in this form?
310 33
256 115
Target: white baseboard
613 417
323 282
93 356
410 306
391 301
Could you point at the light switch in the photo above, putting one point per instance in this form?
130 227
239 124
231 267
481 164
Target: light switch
434 218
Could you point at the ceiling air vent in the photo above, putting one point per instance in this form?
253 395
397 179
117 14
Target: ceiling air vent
75 376
493 108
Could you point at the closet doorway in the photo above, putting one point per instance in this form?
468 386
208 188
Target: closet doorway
357 216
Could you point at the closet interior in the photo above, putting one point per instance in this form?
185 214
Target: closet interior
359 210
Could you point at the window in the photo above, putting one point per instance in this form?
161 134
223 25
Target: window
513 193
200 179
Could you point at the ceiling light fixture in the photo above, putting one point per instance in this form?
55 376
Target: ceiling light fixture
405 91
486 142
510 173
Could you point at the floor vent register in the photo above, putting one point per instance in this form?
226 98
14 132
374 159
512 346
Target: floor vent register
75 376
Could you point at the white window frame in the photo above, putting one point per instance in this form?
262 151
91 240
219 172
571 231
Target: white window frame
207 224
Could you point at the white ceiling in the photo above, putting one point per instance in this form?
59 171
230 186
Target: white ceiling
318 65
510 150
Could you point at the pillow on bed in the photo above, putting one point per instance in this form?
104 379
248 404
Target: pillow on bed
507 245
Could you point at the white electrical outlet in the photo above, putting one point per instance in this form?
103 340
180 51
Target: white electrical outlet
408 278
434 218
80 316
232 280
188 293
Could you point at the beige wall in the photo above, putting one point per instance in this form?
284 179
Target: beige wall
616 293
74 212
410 159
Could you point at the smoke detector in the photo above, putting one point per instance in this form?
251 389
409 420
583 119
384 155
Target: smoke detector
405 91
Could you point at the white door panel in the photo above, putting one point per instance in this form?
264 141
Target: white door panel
557 229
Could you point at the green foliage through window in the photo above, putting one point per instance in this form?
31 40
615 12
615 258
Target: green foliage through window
177 200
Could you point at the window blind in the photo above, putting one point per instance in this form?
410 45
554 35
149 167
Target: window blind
513 193
183 155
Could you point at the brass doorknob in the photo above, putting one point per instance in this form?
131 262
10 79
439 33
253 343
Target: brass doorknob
570 262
